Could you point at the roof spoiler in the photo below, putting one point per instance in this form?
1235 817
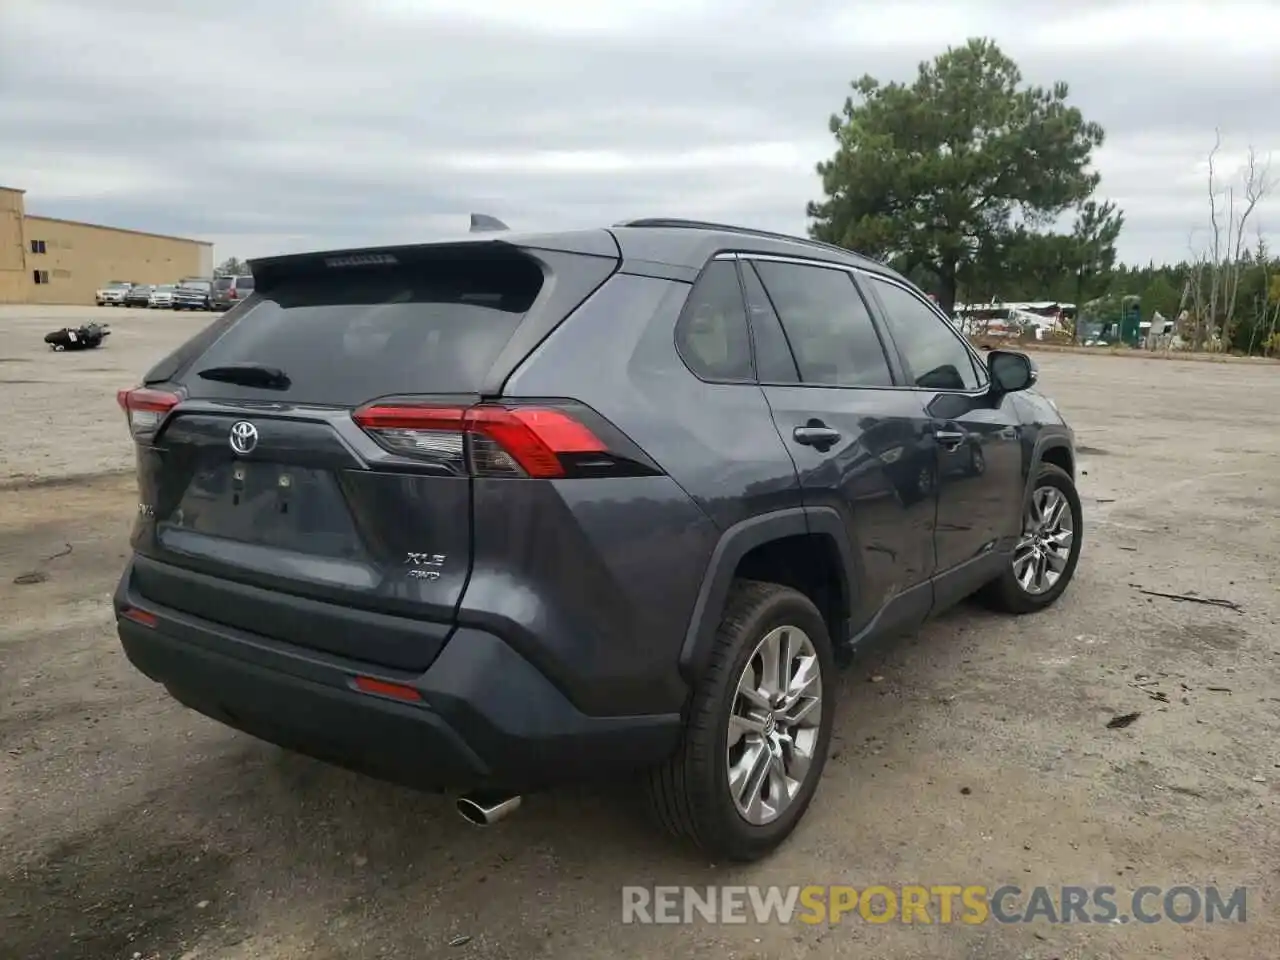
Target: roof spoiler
482 222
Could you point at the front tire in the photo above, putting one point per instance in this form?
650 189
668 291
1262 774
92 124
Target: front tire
758 728
1046 556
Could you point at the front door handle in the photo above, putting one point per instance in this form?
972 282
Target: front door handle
948 439
815 435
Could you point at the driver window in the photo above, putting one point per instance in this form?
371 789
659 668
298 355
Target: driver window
935 356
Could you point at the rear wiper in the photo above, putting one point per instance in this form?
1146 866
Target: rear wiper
248 375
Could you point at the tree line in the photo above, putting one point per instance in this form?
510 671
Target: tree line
232 267
959 177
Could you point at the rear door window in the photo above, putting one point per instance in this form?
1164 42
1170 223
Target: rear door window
350 336
827 324
774 361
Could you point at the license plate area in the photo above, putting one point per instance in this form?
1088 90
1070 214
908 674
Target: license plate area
271 505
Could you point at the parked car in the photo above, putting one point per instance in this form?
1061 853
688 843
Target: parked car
113 294
139 295
193 295
391 518
228 291
162 296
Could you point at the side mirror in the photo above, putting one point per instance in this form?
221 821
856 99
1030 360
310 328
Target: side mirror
1011 371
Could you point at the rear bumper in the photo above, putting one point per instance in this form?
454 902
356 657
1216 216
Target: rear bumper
487 719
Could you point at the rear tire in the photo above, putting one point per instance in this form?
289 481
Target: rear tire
1008 593
777 763
977 461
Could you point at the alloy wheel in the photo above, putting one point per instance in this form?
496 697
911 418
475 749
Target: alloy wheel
1045 548
774 722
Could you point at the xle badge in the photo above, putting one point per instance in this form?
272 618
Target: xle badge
424 566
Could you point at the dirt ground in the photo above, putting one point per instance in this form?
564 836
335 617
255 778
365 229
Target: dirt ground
132 828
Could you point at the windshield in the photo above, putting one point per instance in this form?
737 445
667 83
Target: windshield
119 286
195 285
165 288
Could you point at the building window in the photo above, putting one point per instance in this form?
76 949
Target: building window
40 276
37 246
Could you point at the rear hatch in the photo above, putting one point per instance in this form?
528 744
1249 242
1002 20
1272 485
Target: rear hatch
305 462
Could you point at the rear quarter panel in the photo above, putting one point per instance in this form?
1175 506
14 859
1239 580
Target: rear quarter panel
613 568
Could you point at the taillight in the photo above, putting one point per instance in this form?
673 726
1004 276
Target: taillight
493 440
145 408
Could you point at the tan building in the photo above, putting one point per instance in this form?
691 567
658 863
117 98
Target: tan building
46 260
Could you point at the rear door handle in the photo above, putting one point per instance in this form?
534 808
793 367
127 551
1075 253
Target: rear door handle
815 436
948 439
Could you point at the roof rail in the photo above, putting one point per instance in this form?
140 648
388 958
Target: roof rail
677 223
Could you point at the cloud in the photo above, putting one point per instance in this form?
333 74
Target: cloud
290 125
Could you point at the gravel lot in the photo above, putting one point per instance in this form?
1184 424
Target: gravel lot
132 828
70 423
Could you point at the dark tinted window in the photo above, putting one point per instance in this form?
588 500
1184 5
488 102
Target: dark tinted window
711 333
347 337
774 362
931 348
244 283
827 324
223 283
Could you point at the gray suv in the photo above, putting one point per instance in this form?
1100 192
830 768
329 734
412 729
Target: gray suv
491 515
228 291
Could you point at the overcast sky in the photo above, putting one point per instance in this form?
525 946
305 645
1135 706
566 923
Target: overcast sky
280 125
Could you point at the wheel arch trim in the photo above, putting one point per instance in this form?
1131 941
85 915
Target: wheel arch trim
1044 443
734 544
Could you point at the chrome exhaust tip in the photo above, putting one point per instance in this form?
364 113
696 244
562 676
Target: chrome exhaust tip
484 811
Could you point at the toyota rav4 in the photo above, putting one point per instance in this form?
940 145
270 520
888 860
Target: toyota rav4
490 515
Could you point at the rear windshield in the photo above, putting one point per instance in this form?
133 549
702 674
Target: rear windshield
344 338
222 283
244 283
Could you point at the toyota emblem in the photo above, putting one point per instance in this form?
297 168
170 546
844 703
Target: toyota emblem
244 437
